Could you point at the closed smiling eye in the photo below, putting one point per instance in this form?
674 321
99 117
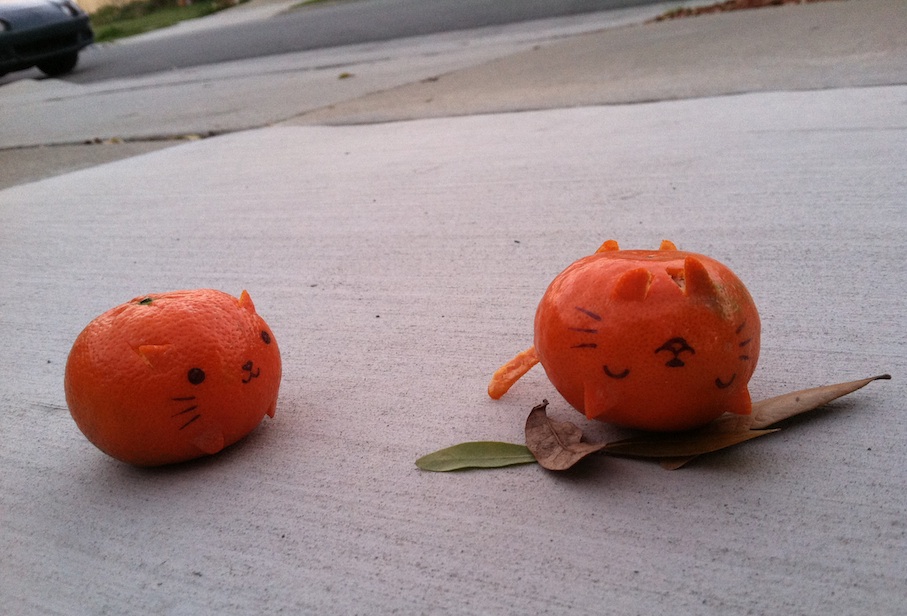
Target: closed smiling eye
725 384
614 374
617 375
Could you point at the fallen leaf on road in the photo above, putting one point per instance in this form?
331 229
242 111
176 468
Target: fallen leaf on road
476 454
771 411
774 410
680 444
557 445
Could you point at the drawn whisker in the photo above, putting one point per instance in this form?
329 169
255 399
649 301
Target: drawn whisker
183 399
589 313
190 421
585 345
184 411
583 330
744 357
740 327
745 342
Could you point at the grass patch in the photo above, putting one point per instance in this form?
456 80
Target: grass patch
303 4
113 22
725 6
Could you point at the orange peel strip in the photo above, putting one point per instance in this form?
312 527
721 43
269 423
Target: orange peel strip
508 374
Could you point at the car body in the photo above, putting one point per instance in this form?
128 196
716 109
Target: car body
48 34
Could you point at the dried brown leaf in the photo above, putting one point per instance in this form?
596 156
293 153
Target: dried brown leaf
773 410
672 464
557 445
779 408
679 445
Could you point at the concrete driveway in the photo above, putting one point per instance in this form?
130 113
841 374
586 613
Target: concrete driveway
399 261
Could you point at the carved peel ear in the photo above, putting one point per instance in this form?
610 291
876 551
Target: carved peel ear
740 404
667 245
596 401
697 281
633 285
245 301
608 246
152 354
210 441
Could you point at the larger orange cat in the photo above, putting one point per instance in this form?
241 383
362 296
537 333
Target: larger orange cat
173 376
658 340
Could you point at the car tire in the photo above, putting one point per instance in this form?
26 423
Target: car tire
59 65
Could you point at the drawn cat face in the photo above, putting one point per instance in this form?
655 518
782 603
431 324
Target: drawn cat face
170 377
658 340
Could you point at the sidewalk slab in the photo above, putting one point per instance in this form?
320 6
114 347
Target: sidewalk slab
257 92
793 47
399 265
601 58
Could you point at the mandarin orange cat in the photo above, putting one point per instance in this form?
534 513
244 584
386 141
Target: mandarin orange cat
653 339
174 376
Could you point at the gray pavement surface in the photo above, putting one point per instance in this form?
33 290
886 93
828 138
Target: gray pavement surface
232 96
262 30
826 45
602 58
399 264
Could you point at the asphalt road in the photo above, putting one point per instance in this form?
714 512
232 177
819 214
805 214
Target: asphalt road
321 26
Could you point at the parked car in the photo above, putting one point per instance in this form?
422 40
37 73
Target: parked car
45 33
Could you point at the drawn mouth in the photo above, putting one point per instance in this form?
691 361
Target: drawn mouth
252 370
676 346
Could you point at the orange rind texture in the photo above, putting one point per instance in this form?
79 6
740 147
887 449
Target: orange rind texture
169 377
652 339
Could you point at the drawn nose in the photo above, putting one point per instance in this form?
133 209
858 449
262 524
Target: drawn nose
253 372
676 346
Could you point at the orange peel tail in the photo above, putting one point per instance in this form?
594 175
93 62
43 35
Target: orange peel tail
508 374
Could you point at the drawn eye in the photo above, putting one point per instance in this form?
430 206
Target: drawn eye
196 376
617 375
266 337
722 385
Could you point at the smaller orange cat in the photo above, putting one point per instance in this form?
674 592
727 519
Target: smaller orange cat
174 376
658 340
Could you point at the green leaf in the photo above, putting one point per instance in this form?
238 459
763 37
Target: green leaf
558 445
476 454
